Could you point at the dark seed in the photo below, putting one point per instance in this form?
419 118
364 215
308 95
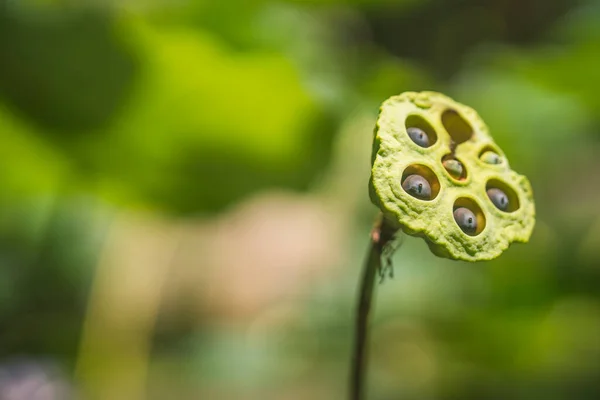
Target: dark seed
418 136
466 220
417 186
499 198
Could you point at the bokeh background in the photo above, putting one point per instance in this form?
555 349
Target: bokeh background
184 208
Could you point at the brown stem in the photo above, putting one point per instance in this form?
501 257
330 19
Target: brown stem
380 236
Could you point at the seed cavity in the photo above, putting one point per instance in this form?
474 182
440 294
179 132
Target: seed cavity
454 167
417 186
457 127
502 195
468 216
466 220
490 157
418 136
420 182
420 131
499 198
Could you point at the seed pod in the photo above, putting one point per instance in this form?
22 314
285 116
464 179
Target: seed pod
466 220
418 136
417 186
425 134
499 198
491 158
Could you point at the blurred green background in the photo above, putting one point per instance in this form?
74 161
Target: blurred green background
184 208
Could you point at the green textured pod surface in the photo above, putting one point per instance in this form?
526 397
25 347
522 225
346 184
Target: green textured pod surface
457 132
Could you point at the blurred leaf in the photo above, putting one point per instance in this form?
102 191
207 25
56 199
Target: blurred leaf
207 124
63 69
30 165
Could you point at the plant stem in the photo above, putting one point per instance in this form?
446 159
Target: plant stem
381 234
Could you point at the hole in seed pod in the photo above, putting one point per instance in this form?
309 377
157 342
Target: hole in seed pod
454 167
502 195
468 216
420 182
489 155
457 127
420 131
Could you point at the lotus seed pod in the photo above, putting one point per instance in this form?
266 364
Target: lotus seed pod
417 186
418 136
473 217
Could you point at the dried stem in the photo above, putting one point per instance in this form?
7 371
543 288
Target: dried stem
381 235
